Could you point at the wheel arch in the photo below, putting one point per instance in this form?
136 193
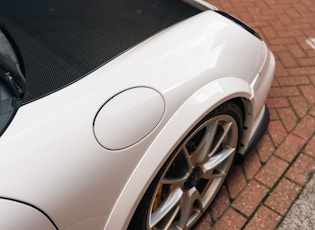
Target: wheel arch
202 102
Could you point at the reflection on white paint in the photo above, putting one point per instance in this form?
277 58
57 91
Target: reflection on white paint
311 42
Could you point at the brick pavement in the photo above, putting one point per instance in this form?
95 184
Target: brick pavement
259 192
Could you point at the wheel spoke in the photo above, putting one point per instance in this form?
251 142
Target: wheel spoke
177 182
214 164
226 126
190 163
185 166
189 200
202 152
168 210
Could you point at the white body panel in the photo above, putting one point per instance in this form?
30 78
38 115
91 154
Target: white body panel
128 117
50 158
14 216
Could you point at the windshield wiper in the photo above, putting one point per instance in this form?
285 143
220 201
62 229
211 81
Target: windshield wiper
11 74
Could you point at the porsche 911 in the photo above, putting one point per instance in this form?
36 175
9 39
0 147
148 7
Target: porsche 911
123 114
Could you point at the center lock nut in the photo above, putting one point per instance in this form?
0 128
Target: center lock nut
193 178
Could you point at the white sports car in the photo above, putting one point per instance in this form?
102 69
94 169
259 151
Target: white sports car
123 114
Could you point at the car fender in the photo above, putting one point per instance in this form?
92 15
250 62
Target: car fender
24 215
184 119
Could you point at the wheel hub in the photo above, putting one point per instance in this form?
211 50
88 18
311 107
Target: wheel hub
193 178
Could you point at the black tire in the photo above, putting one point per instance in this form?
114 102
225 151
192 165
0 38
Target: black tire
190 179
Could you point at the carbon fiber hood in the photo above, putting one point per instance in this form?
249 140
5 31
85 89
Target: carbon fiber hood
62 41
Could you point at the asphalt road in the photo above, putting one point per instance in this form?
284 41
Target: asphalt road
302 213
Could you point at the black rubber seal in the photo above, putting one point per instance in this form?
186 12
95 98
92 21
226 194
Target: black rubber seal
260 131
240 23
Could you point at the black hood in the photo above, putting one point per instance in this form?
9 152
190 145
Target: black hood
62 41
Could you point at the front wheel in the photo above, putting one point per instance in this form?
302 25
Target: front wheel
189 180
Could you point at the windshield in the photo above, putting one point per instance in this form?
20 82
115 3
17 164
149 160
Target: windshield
9 99
62 41
6 48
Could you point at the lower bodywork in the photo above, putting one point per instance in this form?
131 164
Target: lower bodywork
51 159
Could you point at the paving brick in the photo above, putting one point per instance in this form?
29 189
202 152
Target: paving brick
271 2
264 218
250 198
205 223
265 148
306 61
277 132
309 93
281 71
288 117
299 105
283 196
304 23
305 128
220 204
295 80
300 7
286 20
236 181
272 171
282 41
246 17
297 51
307 3
291 146
251 164
288 33
221 5
277 49
231 220
278 102
258 24
293 13
274 83
310 147
301 169
284 91
269 32
301 70
273 114
262 5
310 52
287 59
